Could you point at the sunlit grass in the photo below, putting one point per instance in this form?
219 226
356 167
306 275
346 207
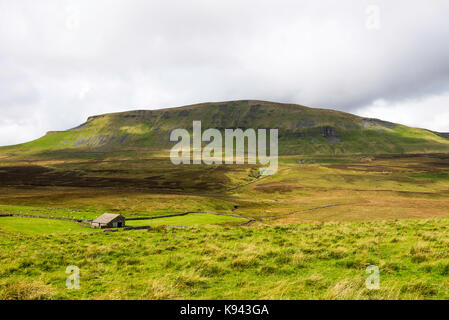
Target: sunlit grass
193 219
17 225
262 262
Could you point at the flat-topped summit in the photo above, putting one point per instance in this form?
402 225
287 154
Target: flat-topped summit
302 130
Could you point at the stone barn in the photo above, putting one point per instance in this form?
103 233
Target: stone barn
109 220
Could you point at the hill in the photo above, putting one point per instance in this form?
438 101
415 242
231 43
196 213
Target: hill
302 130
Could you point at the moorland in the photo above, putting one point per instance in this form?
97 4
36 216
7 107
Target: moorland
350 192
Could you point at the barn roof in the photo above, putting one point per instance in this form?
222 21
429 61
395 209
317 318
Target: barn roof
107 217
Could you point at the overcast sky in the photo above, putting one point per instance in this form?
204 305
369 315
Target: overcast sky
62 61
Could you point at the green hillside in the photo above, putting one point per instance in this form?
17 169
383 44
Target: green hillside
302 130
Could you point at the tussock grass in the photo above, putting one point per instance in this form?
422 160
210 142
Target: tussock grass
26 290
261 262
392 212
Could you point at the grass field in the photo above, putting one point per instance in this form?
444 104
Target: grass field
325 261
190 220
15 225
319 222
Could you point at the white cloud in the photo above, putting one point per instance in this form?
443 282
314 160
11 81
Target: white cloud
430 112
61 60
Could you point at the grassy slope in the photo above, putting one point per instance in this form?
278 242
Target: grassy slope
300 130
265 262
18 225
194 219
